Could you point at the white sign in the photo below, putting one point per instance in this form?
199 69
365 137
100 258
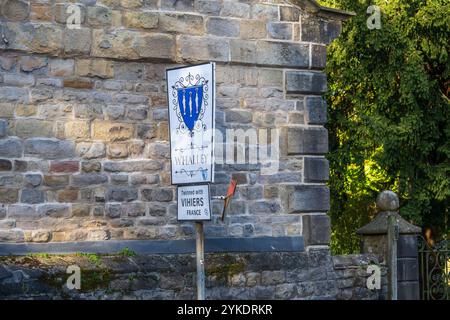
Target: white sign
191 98
193 203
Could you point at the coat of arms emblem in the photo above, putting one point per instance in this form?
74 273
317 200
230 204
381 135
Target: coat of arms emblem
190 99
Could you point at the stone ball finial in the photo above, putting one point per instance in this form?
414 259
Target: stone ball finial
388 201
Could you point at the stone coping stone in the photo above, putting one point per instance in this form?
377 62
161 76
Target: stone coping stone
216 245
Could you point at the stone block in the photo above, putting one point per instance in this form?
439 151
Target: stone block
89 179
32 180
32 128
98 16
283 54
316 169
94 68
280 30
29 63
140 19
54 210
77 130
17 10
307 140
178 5
243 51
9 195
125 44
209 7
316 229
305 82
56 181
12 94
11 148
108 131
235 9
318 57
61 68
316 110
308 198
222 27
252 29
49 148
203 48
157 194
289 13
64 166
89 150
18 79
32 196
5 165
265 12
3 127
122 194
32 37
181 23
132 166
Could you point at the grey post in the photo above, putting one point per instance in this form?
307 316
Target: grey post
392 256
394 241
200 252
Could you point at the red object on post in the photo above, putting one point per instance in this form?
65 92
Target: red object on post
229 196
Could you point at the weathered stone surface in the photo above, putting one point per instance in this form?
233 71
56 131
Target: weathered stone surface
388 201
29 128
252 29
108 131
29 63
132 45
5 165
11 148
308 198
198 49
15 10
316 110
222 27
61 68
317 230
9 195
88 179
122 194
181 23
307 141
316 169
3 128
54 210
132 166
242 51
94 68
88 150
37 38
49 148
32 196
157 194
306 82
280 30
292 55
142 20
77 41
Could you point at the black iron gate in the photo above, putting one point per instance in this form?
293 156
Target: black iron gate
434 262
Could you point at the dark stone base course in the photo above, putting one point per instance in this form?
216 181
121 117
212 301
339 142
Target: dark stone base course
258 275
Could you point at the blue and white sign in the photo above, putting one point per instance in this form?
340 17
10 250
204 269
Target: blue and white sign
191 98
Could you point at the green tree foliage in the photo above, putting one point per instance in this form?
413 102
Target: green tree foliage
389 115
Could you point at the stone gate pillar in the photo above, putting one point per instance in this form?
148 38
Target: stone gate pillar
374 239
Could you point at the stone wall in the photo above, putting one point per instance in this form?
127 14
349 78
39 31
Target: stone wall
84 151
312 275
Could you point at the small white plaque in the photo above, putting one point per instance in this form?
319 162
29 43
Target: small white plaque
194 203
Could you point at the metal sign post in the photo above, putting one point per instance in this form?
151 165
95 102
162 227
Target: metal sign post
191 99
200 253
